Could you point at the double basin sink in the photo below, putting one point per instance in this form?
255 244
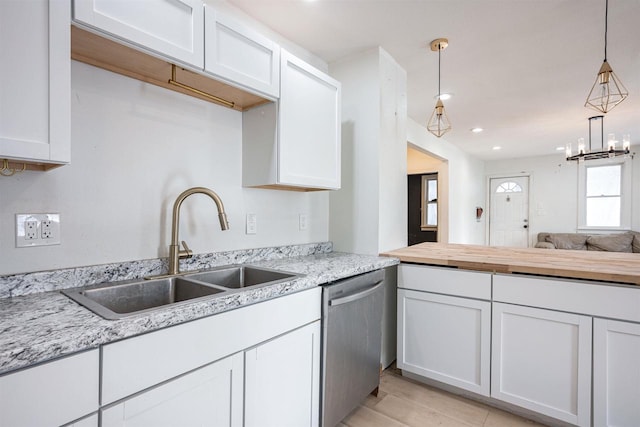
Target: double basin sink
122 299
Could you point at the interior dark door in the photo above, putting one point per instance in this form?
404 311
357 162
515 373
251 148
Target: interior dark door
415 233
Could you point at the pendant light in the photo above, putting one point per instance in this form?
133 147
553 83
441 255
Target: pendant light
607 91
439 122
592 153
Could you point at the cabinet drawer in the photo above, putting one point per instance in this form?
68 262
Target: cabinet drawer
140 362
173 28
448 281
51 394
241 55
595 299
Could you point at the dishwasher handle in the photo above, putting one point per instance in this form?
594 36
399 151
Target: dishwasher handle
356 296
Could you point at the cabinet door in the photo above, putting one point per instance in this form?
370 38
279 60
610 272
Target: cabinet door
51 394
445 338
240 55
35 81
210 396
91 421
541 360
282 380
173 28
616 373
310 126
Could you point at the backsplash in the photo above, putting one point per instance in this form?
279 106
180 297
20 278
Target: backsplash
44 281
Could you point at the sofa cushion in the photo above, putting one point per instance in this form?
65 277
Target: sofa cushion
542 237
545 245
573 241
635 244
610 242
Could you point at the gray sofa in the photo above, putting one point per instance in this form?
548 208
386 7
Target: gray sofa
619 242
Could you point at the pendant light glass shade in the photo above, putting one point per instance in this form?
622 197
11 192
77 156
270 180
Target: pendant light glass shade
439 122
607 91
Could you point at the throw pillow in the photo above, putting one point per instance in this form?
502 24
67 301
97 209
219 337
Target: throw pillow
610 242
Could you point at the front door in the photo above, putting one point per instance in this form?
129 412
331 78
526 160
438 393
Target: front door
509 215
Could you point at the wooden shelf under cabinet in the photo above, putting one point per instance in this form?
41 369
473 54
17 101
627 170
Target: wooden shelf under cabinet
100 52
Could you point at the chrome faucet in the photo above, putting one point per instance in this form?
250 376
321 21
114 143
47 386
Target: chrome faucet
175 253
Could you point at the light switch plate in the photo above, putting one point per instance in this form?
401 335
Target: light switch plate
37 230
303 221
252 223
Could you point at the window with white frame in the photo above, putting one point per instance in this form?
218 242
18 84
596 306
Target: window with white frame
429 202
604 194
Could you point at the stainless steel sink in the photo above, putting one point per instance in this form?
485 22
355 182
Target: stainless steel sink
242 276
118 300
121 299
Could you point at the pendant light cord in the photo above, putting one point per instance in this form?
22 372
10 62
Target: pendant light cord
606 22
439 52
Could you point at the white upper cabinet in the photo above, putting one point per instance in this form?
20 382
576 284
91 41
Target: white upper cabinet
295 144
310 125
240 55
171 28
35 81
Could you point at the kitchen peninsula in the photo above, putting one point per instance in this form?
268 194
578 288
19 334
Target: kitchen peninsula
551 334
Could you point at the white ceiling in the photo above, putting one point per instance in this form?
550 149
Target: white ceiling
520 69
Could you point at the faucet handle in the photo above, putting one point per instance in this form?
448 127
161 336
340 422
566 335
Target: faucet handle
186 253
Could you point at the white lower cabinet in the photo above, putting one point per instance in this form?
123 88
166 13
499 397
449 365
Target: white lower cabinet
616 373
282 380
209 396
51 394
541 361
445 338
91 421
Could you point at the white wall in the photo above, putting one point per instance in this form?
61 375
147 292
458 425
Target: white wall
554 191
369 214
393 155
354 214
466 186
135 147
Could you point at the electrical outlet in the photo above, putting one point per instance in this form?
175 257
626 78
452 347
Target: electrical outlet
37 230
30 229
46 229
303 221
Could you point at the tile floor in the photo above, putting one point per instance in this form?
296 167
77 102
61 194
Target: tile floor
403 402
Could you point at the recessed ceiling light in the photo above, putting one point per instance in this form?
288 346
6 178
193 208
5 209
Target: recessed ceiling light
496 148
444 96
559 148
477 130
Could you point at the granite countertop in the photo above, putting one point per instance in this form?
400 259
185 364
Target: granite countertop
42 326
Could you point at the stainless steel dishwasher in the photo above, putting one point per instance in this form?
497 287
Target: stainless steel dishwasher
351 343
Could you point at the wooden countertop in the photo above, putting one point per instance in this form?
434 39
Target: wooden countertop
592 265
